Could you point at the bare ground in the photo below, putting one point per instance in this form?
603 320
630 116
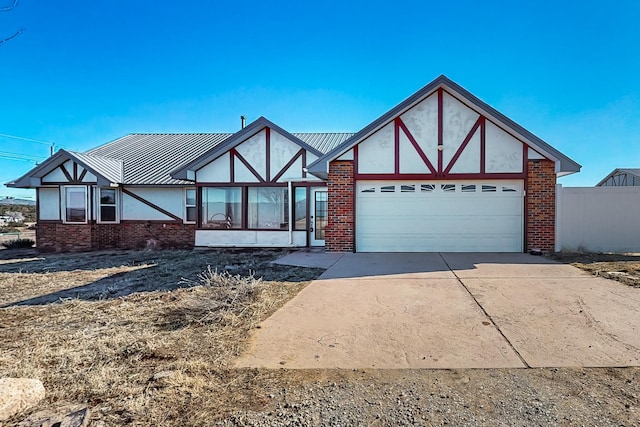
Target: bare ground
147 338
624 268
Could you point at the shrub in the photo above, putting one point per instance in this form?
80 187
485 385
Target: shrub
18 243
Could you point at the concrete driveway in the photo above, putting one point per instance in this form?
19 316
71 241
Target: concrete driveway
446 310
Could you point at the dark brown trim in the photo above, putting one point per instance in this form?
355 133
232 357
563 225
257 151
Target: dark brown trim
475 109
75 171
38 203
304 163
440 128
82 175
248 166
464 144
415 144
66 173
267 150
525 212
232 166
483 145
432 177
289 164
308 238
151 205
198 206
396 145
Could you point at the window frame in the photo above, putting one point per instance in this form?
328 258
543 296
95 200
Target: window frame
99 204
64 199
187 205
244 205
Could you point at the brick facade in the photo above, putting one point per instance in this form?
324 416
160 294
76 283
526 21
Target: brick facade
59 237
339 234
541 205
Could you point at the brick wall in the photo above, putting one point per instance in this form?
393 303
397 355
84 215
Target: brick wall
58 237
541 205
54 236
339 234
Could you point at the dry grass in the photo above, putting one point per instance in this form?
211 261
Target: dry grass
147 358
624 268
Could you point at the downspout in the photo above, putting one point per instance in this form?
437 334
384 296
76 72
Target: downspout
289 195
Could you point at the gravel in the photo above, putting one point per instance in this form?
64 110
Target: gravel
497 397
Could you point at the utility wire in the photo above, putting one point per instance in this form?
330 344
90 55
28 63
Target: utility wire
16 156
26 139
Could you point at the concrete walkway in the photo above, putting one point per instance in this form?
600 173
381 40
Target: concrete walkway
448 310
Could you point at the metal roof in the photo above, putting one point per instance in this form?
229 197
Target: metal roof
150 157
629 171
566 165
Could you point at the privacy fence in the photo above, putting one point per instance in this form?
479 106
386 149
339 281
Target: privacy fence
598 219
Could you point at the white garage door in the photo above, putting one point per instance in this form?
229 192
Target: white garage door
446 216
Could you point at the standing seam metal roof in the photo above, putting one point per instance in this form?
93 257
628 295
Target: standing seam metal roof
149 158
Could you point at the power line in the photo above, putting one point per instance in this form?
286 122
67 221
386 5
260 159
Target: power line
26 139
16 156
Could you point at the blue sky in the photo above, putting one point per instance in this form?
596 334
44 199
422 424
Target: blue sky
86 72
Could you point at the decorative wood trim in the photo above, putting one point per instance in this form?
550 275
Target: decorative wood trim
66 173
82 175
483 145
151 205
304 164
246 163
75 171
396 144
232 166
464 144
288 165
440 127
267 150
415 144
430 177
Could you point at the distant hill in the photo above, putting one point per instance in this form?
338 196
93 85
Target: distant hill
13 201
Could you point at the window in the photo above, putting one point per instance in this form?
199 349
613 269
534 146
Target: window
448 187
107 205
222 207
407 188
388 189
300 208
508 189
369 190
427 188
468 188
268 208
488 188
75 205
190 204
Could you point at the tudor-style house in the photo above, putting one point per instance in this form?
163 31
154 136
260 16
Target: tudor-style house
441 171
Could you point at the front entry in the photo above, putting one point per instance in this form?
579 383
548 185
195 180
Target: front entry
318 216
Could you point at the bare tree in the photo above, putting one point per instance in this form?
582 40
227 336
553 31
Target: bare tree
17 33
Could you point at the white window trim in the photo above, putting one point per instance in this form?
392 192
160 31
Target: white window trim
63 204
195 205
99 205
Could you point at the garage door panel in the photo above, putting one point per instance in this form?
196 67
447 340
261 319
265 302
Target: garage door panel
438 220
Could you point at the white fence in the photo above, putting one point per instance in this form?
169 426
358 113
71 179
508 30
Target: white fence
598 219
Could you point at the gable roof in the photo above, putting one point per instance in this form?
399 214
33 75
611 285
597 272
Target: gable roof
629 171
106 169
149 158
235 140
564 165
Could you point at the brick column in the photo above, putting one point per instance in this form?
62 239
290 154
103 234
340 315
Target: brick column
541 205
339 234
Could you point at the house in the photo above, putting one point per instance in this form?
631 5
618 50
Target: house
441 171
621 177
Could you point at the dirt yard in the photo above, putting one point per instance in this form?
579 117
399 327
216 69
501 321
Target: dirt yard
148 338
623 268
